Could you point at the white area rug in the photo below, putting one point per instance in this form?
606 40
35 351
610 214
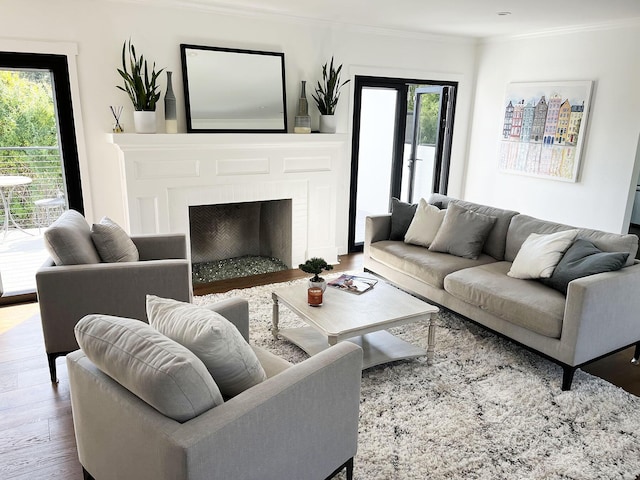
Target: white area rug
486 409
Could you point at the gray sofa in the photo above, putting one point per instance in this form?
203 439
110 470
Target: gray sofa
599 314
301 422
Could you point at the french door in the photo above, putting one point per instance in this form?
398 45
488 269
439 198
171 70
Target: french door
401 145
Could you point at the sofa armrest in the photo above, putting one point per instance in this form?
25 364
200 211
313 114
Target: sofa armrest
162 246
376 229
236 310
601 314
302 423
66 293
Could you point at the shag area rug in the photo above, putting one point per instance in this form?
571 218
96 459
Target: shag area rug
486 408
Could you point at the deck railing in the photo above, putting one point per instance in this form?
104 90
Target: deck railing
43 165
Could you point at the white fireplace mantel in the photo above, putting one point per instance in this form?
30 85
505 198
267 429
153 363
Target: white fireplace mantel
164 174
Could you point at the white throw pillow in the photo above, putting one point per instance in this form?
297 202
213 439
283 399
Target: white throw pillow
112 242
540 254
212 338
425 224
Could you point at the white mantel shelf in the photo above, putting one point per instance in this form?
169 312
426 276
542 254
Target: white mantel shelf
164 174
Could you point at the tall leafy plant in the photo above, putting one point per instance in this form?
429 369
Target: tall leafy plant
328 92
140 84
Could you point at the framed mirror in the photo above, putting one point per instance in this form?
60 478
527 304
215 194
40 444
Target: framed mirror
229 90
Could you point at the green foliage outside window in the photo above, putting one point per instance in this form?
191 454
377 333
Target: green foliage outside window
429 108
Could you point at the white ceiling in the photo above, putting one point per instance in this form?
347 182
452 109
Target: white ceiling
476 18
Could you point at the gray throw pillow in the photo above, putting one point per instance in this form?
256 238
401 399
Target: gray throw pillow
462 232
153 367
401 215
68 240
582 259
112 242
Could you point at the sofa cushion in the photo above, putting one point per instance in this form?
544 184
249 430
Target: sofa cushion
212 338
462 232
421 263
522 226
582 259
425 224
68 240
526 303
540 254
401 216
496 240
112 242
160 371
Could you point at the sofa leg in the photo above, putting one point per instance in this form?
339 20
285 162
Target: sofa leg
567 377
636 356
86 475
51 357
348 465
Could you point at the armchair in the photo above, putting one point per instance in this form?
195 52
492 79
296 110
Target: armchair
66 293
301 422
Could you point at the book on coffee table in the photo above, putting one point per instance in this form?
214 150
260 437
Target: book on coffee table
353 283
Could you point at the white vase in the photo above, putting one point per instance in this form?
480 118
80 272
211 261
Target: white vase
144 122
321 284
327 124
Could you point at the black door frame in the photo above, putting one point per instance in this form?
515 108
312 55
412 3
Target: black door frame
59 67
400 85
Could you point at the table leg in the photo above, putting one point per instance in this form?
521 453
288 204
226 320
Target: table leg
275 316
5 206
431 341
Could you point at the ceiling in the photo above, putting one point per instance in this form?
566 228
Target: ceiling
476 18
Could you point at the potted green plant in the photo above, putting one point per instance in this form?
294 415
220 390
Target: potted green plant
327 96
141 85
316 265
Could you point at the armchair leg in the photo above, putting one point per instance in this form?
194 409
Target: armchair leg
51 357
567 377
348 465
636 356
86 475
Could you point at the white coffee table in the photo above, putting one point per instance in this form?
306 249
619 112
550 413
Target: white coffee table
362 319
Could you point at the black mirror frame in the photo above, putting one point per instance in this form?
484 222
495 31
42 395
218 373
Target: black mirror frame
185 78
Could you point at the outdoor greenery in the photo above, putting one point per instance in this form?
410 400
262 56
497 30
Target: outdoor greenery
315 265
139 83
428 114
27 119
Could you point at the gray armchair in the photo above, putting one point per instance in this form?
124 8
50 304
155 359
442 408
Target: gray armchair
300 423
66 293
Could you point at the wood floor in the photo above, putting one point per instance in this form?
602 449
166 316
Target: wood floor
37 438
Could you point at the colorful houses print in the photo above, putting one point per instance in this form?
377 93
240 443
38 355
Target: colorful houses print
541 130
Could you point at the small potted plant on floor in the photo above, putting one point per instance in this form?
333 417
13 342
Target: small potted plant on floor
327 96
140 84
316 265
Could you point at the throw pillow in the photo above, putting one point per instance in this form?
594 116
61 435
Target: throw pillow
112 242
462 232
212 338
68 240
151 366
539 254
401 216
425 224
582 259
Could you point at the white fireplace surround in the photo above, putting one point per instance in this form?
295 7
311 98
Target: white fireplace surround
163 175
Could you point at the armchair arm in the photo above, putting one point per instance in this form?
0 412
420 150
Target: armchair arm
236 310
376 229
158 247
302 423
68 293
601 314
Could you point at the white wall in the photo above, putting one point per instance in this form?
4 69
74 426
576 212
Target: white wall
100 27
602 197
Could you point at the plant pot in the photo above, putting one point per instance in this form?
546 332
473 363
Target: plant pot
327 124
144 122
322 284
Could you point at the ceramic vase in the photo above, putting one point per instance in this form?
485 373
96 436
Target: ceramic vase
170 117
327 124
144 122
302 122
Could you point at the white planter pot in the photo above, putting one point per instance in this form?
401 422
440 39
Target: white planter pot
144 122
327 124
321 284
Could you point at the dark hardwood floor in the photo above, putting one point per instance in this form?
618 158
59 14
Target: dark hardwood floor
37 438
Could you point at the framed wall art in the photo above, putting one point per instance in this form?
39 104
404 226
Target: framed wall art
544 128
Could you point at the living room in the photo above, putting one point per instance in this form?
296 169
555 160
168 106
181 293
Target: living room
91 33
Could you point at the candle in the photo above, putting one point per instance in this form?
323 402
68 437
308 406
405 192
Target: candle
314 296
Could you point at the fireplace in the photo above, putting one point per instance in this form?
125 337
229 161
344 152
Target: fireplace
240 239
